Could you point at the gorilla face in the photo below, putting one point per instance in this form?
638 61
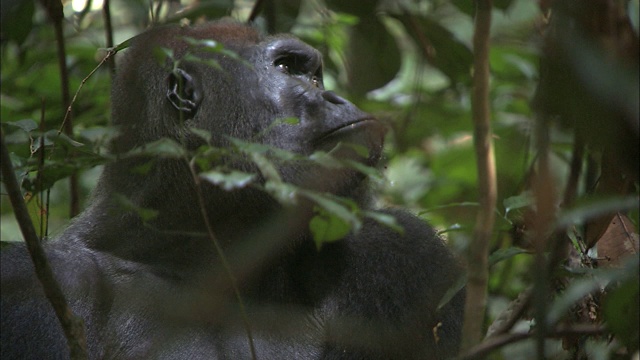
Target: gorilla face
246 91
290 79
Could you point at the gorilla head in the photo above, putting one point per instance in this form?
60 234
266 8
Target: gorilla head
225 79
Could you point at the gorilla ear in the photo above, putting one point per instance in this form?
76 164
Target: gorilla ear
184 93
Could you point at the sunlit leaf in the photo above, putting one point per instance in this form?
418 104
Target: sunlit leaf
229 181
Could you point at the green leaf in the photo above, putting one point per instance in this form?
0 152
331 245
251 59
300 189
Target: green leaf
208 62
164 148
332 205
145 214
504 254
27 125
461 281
517 202
595 208
17 20
385 219
208 44
267 168
286 194
228 180
327 227
54 135
203 134
161 54
621 307
326 160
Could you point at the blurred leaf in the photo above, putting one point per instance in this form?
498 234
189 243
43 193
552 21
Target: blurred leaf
327 227
332 205
267 168
621 308
443 49
596 279
360 7
202 134
17 20
460 282
373 58
523 200
284 193
504 254
164 148
208 9
229 180
145 214
594 208
385 219
26 124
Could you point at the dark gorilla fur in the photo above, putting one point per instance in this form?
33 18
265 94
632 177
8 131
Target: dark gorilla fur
157 289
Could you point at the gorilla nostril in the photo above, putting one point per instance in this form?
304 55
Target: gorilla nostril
331 97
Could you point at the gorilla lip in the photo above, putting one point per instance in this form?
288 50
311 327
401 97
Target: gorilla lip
352 126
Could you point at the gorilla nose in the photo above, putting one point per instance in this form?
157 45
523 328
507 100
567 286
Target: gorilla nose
331 97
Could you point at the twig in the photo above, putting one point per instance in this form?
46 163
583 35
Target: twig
223 259
496 342
72 325
54 11
106 14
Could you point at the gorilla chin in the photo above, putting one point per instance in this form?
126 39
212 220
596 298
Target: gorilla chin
163 288
346 141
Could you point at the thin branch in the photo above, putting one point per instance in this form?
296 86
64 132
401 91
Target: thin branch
72 325
54 11
106 14
496 342
478 264
223 259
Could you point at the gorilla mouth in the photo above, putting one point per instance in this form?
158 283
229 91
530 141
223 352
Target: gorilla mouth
365 129
365 132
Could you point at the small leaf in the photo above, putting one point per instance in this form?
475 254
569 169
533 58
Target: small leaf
267 169
208 62
326 160
203 134
286 194
326 227
229 181
461 281
331 205
27 125
517 202
385 219
54 135
165 148
161 54
145 214
504 254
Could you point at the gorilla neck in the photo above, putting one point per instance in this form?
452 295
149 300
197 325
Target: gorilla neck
241 218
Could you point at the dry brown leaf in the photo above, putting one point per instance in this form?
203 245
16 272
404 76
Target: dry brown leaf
619 240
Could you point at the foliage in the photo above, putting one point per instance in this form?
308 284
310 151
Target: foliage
408 62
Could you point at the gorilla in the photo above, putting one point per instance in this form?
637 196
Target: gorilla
224 272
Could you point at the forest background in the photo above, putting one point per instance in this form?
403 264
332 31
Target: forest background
542 206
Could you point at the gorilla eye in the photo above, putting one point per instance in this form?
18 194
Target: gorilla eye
288 65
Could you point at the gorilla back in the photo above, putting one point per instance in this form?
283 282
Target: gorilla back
157 288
